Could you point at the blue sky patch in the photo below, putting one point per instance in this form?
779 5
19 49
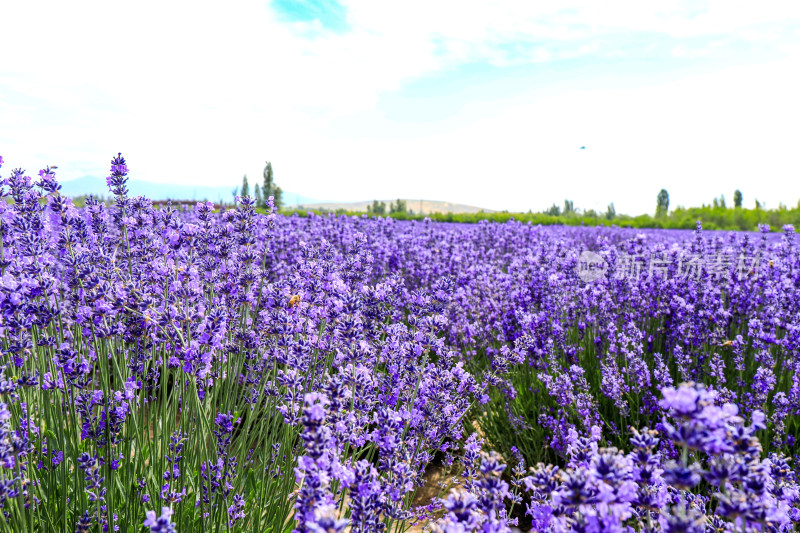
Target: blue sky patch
330 14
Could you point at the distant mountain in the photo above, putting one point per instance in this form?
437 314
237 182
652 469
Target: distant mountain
163 191
424 207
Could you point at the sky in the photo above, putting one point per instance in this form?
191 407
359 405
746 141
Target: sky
485 103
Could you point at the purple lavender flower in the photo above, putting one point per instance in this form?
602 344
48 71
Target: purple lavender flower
160 524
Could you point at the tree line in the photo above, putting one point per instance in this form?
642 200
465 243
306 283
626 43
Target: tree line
715 216
262 192
379 208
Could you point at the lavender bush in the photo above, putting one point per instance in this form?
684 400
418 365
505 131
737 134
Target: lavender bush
173 371
208 370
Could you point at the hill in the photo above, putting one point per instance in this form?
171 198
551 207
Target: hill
424 207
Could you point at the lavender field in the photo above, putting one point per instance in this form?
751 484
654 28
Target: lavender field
224 370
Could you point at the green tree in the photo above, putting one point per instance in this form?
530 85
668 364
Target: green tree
662 203
611 212
553 211
399 207
269 183
270 189
245 187
377 208
569 207
257 195
737 199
